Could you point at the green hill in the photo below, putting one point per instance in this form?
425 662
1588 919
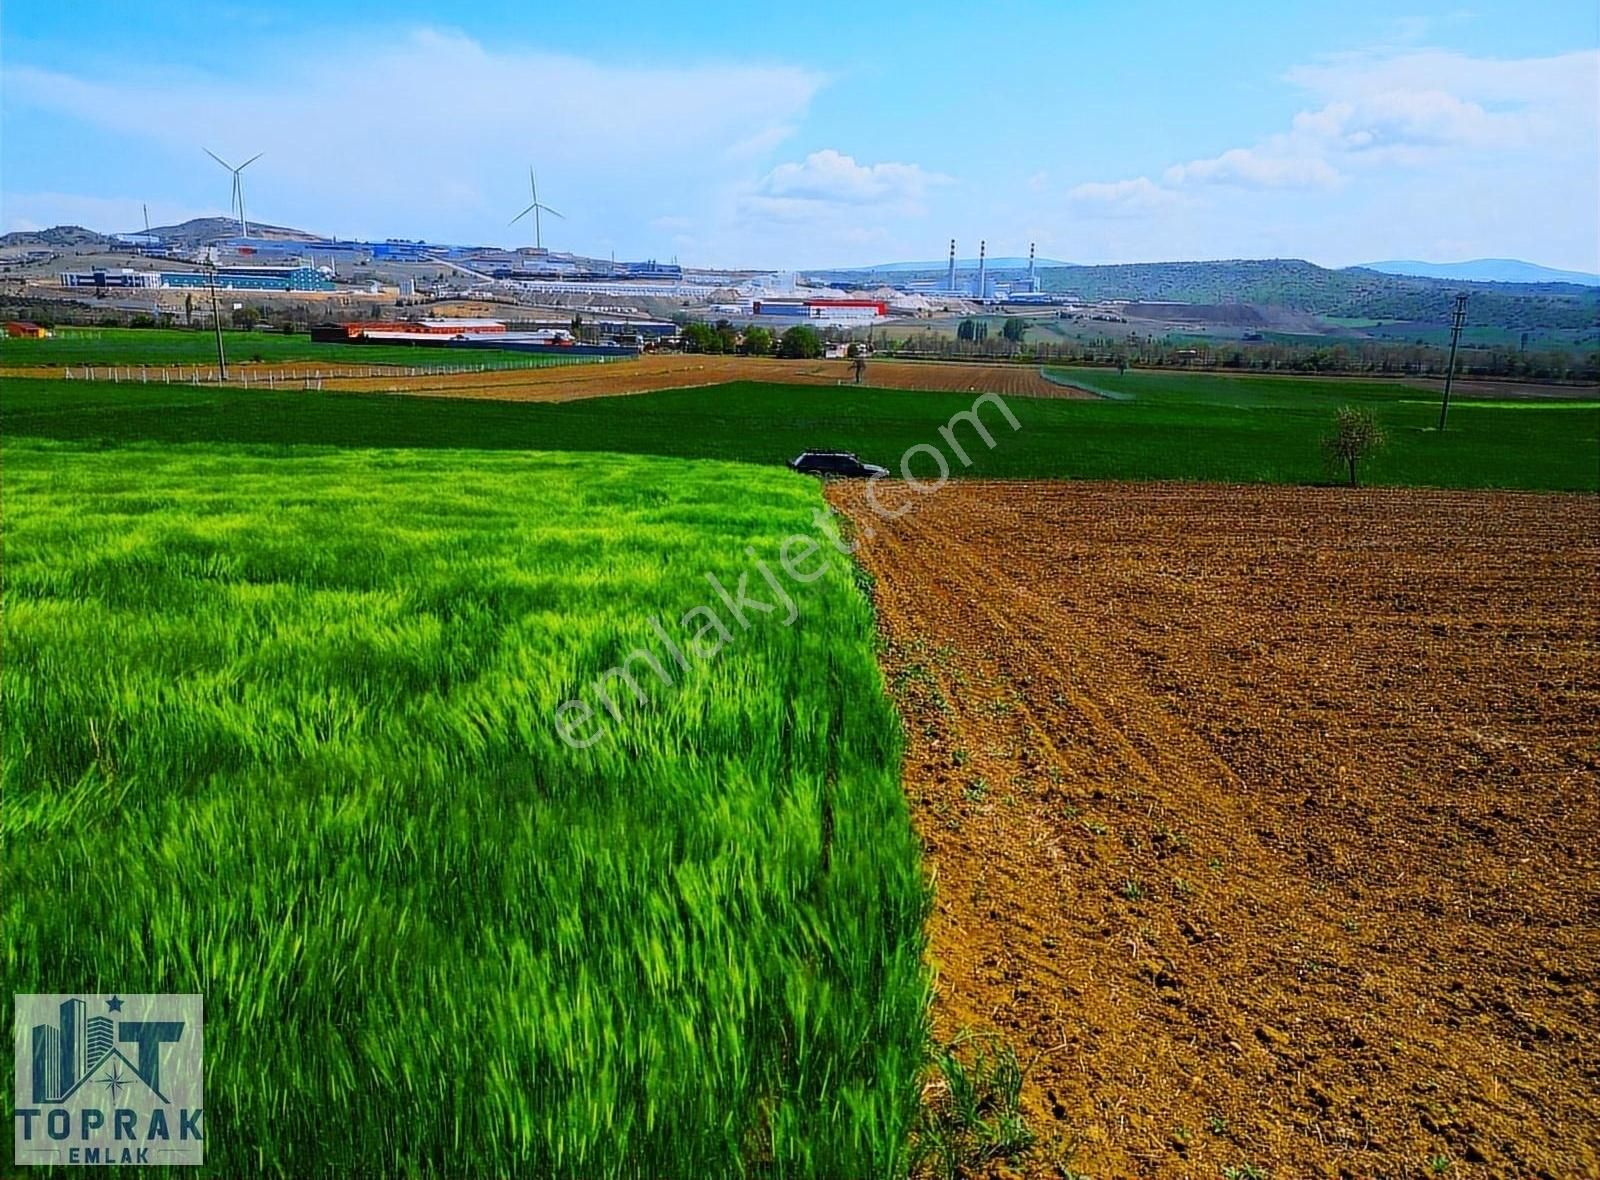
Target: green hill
1353 292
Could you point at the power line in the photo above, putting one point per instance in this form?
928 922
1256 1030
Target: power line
1458 317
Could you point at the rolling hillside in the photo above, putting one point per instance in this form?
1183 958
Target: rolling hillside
1486 270
1354 292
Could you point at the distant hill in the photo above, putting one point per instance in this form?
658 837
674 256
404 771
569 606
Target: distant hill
1486 270
202 231
56 235
199 231
1354 292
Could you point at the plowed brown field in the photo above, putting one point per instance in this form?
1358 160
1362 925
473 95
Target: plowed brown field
1265 822
662 371
648 373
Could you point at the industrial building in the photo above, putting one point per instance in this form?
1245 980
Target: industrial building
468 333
253 278
985 286
407 331
654 270
123 278
824 311
228 278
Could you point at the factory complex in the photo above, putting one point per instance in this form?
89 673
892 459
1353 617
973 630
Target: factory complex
225 278
613 337
551 299
826 312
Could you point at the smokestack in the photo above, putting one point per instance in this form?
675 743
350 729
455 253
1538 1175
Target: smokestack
1033 283
981 247
950 281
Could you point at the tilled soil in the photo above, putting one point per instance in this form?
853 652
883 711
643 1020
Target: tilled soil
1263 821
674 371
571 382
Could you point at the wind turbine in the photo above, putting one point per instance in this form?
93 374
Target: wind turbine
238 187
535 208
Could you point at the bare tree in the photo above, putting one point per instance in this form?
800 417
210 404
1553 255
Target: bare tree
1356 435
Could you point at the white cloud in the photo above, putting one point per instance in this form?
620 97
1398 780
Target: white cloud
1385 111
468 98
342 155
1123 197
1276 164
1565 80
831 177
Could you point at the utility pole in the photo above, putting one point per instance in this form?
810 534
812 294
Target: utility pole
216 316
1457 318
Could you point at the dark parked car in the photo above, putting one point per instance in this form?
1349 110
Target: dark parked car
834 463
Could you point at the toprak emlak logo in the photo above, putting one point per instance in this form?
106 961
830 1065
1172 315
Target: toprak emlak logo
109 1079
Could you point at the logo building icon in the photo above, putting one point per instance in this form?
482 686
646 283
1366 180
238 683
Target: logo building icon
109 1079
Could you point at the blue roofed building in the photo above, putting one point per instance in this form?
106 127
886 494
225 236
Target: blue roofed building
253 278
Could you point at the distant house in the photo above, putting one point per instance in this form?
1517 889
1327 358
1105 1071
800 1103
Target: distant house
26 330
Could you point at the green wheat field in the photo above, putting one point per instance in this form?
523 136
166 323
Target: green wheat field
278 729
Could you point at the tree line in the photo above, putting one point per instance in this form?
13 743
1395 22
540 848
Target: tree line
801 342
1362 357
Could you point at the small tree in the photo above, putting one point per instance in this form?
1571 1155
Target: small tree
1355 436
246 318
757 341
698 337
800 342
1014 329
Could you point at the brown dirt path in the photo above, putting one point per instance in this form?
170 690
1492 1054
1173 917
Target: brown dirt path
1263 820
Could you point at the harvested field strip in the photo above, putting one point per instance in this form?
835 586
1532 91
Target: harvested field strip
675 372
1262 819
559 379
283 724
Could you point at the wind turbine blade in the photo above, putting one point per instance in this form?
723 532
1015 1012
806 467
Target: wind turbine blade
250 161
523 214
547 209
217 158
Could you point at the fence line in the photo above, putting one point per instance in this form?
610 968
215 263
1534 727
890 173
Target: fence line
242 373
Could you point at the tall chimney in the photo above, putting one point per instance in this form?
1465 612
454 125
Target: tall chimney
950 280
1033 283
981 247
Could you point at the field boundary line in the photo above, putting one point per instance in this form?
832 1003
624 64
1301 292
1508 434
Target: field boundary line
1092 391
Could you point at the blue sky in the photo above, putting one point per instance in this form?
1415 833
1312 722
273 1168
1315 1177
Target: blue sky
827 134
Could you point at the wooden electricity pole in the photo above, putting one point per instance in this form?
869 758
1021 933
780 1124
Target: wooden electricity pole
216 316
1457 318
